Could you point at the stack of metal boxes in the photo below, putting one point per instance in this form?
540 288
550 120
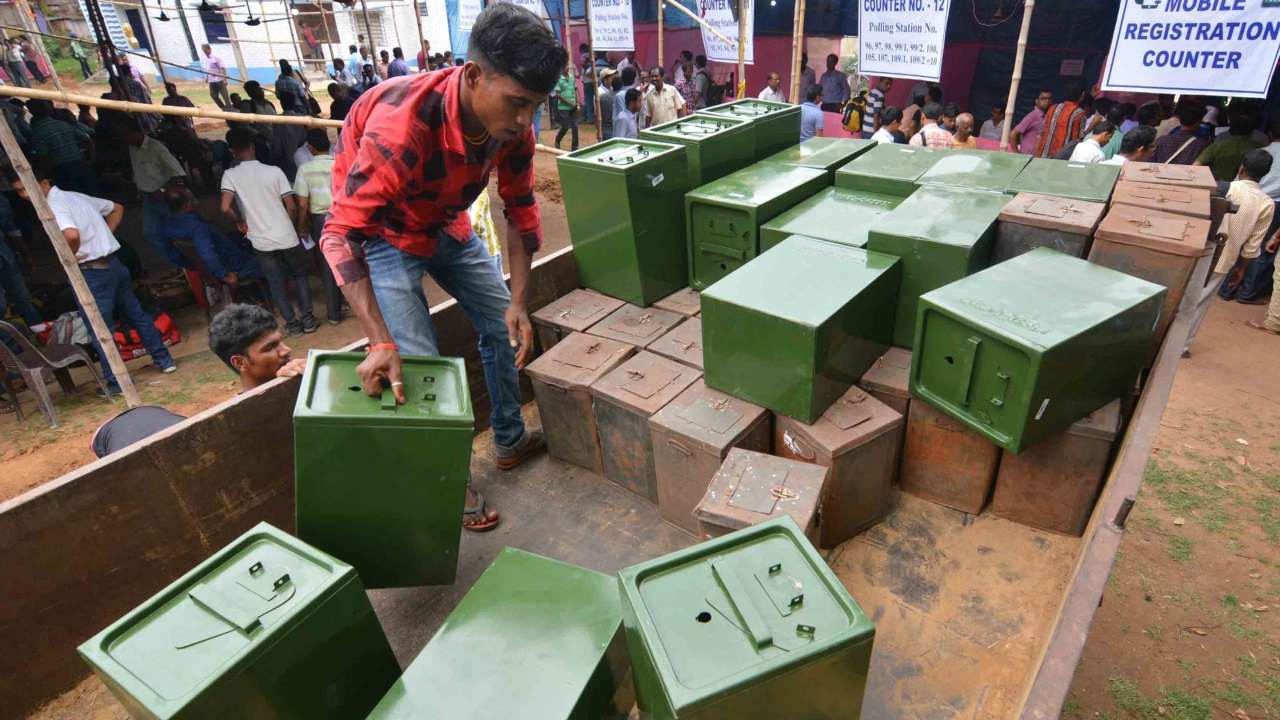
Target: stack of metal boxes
945 462
775 126
751 488
835 214
1091 182
887 168
533 638
942 234
975 170
823 153
751 624
1187 176
366 490
724 216
687 302
636 325
1173 199
889 380
1031 220
683 343
624 200
795 328
268 627
573 312
715 146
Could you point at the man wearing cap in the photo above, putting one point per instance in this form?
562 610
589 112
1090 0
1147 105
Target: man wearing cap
607 101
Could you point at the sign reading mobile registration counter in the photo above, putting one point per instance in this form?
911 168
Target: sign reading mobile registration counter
1219 47
902 38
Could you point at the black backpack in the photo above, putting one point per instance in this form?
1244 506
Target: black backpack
715 92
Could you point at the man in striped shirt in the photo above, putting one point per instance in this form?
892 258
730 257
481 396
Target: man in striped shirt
875 103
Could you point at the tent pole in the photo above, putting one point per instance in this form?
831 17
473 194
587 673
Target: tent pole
373 50
568 40
661 42
235 46
705 25
151 36
1016 80
28 22
591 68
797 42
422 40
97 324
744 7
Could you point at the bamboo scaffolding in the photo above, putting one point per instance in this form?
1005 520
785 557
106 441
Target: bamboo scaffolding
29 26
1016 80
591 68
151 40
797 45
744 7
661 41
694 16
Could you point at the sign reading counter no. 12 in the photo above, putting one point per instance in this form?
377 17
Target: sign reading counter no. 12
1220 47
902 38
611 27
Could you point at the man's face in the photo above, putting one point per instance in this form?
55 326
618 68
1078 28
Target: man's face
1043 100
997 115
207 50
1103 138
265 357
964 124
22 191
885 83
947 122
657 80
503 106
831 62
774 81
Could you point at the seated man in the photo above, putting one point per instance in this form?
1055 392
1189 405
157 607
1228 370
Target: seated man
222 258
248 340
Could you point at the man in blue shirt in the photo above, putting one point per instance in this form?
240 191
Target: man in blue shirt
811 118
221 257
625 122
835 86
398 66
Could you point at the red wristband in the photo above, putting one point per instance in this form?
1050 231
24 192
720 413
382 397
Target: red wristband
383 346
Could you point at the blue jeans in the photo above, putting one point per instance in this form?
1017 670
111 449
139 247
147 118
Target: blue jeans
155 216
112 290
537 124
465 271
588 103
280 266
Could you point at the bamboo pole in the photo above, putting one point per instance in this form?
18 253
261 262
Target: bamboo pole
694 17
1016 80
661 42
328 34
266 26
591 68
29 25
137 107
151 40
797 43
97 323
235 47
373 50
422 40
744 7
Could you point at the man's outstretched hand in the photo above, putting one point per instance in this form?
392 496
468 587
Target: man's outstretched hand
520 333
380 367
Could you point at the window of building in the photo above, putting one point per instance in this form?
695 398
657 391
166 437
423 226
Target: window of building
215 26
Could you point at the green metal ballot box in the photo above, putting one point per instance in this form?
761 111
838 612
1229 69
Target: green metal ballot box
888 169
794 328
1092 182
724 216
836 215
534 638
942 234
1022 350
714 146
823 153
382 485
975 169
624 200
752 624
775 125
268 628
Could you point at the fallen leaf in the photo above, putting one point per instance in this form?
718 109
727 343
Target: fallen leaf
1199 631
1242 441
1179 521
1262 608
1241 714
1255 575
1240 460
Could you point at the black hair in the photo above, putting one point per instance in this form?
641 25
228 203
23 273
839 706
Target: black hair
1086 100
351 48
1074 88
1116 116
285 67
510 40
240 138
932 110
889 115
42 168
458 62
339 63
1149 114
1274 127
238 326
1101 127
1256 164
1103 105
1128 109
332 88
700 61
813 93
686 54
318 139
40 108
1243 122
1188 112
934 94
658 71
951 110
383 53
1138 138
397 52
628 75
631 96
833 56
1042 91
615 83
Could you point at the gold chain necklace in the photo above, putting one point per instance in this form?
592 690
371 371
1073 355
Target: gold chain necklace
480 139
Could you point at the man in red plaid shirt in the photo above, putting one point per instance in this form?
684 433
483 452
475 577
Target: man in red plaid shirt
413 155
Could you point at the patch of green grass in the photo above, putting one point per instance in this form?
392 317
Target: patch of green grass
1214 520
1240 631
1154 632
1071 708
1126 695
1234 694
1180 548
1230 601
1271 478
1268 509
1182 705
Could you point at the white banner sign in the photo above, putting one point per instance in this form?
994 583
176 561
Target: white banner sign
468 11
719 14
1216 47
902 38
611 27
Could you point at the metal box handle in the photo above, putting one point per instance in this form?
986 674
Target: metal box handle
966 353
638 153
723 251
756 628
678 447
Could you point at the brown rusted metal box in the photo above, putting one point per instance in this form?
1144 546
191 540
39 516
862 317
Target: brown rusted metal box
687 302
636 325
946 462
623 401
574 312
691 437
561 379
1189 201
1032 220
683 343
751 487
859 438
889 379
1159 247
1192 176
1052 486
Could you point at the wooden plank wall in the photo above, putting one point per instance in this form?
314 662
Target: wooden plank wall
80 551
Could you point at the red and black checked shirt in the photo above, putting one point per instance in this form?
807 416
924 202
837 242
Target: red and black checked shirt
403 172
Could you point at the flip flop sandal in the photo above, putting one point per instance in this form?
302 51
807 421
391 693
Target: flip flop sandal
478 511
7 407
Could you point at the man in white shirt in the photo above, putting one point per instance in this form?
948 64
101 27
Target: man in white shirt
1246 229
890 122
663 103
312 189
1257 287
994 125
1089 150
259 200
217 77
154 167
1136 146
773 92
87 225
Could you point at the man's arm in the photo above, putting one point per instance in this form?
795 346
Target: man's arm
524 238
72 236
229 209
290 204
303 216
114 217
